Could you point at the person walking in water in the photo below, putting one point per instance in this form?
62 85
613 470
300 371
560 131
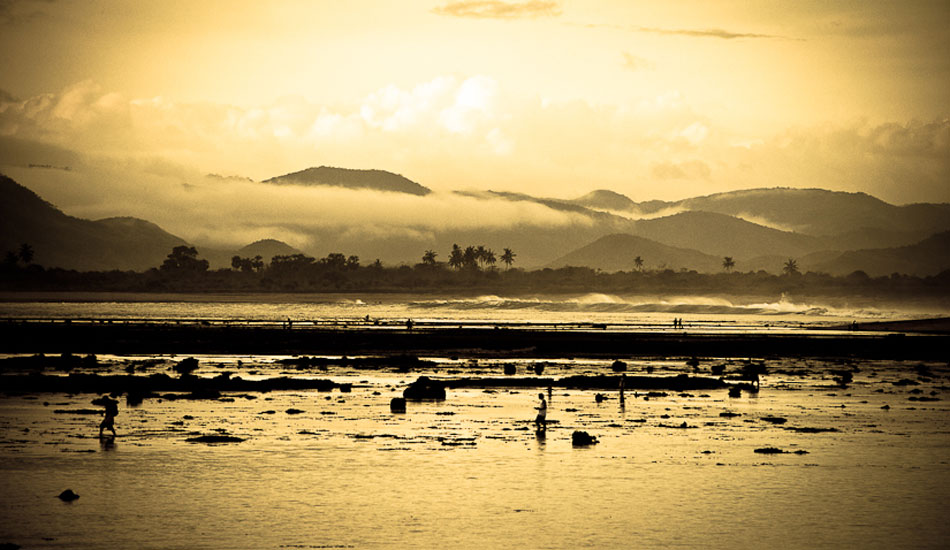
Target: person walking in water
540 422
112 409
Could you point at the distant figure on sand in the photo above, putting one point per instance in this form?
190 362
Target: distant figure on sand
112 409
409 324
623 383
540 422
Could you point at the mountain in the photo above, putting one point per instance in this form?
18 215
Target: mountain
379 180
617 252
820 212
927 257
604 199
267 249
59 240
723 235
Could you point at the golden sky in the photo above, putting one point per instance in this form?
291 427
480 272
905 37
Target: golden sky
656 100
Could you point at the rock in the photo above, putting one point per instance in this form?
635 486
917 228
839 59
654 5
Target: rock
729 414
346 388
735 391
811 430
510 369
769 451
9 546
293 411
68 496
582 439
215 438
774 419
618 366
397 405
599 397
693 362
186 366
717 370
538 369
424 388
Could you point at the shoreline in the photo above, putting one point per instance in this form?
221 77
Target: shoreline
595 342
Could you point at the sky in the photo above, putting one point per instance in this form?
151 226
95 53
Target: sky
655 100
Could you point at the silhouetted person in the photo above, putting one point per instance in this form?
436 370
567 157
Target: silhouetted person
540 422
623 383
112 409
408 324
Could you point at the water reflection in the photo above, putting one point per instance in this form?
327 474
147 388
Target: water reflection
106 443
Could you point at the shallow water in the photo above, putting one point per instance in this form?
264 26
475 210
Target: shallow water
470 472
650 312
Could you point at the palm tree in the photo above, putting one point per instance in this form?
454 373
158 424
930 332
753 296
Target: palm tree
26 253
480 254
455 257
791 267
638 263
508 257
470 258
489 258
728 263
429 257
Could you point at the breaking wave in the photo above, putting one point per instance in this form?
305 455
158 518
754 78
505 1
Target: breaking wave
608 303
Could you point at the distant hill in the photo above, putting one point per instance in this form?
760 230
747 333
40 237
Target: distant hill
821 212
379 180
928 257
723 235
59 240
267 249
617 252
604 199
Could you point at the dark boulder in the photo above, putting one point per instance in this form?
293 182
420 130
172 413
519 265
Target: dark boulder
424 388
769 451
397 405
214 438
618 366
510 369
68 496
186 366
582 439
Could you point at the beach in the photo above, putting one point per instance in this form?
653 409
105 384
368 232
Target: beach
247 424
857 465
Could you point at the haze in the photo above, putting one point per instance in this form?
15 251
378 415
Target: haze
141 100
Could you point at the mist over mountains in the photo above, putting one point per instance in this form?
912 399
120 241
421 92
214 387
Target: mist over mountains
826 231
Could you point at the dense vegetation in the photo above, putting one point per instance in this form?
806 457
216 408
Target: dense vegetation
468 270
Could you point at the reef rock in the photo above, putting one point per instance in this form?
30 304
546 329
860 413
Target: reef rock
582 439
397 405
424 388
68 496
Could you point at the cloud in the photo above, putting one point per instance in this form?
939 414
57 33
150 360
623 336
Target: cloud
497 9
697 33
456 133
705 33
635 63
232 212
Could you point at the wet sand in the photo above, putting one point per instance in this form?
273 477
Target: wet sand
862 463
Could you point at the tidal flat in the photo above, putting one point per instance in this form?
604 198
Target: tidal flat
829 453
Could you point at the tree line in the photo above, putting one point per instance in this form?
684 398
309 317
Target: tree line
468 269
